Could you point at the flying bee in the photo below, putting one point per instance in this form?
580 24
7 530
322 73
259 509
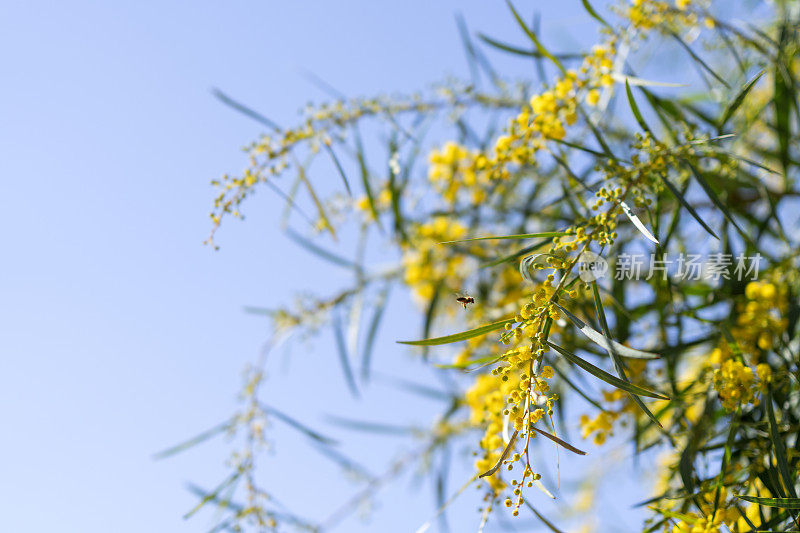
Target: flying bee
465 300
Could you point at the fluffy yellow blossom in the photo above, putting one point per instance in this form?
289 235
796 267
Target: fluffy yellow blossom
427 263
735 383
454 168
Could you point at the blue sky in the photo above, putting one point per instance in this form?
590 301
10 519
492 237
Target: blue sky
120 333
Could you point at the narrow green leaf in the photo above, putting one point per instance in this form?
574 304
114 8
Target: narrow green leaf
594 14
558 441
318 250
689 519
503 456
596 153
202 437
747 160
372 332
715 199
604 342
339 168
605 376
637 222
618 365
507 47
639 82
301 173
395 190
635 108
700 61
677 194
482 361
295 424
734 104
243 109
521 51
464 335
370 427
780 450
726 459
545 234
362 165
783 503
514 256
211 496
544 520
532 36
344 360
784 96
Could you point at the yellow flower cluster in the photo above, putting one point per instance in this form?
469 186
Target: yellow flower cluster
381 202
427 264
513 397
726 517
759 322
737 385
454 168
550 112
600 427
658 14
760 317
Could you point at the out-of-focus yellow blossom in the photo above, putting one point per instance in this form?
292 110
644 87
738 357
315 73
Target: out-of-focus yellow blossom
382 202
735 383
427 264
760 318
661 15
701 524
454 168
600 427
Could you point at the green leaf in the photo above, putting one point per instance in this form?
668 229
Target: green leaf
514 256
362 165
202 437
243 109
783 503
605 376
503 456
544 520
618 365
341 348
594 14
319 251
339 168
302 428
558 441
521 51
734 104
464 335
532 36
715 200
370 427
677 194
372 332
606 342
779 449
748 161
603 155
784 96
637 222
482 361
726 458
689 519
635 108
545 234
639 82
700 61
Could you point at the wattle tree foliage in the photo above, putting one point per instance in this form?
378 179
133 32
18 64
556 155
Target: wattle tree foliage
628 240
